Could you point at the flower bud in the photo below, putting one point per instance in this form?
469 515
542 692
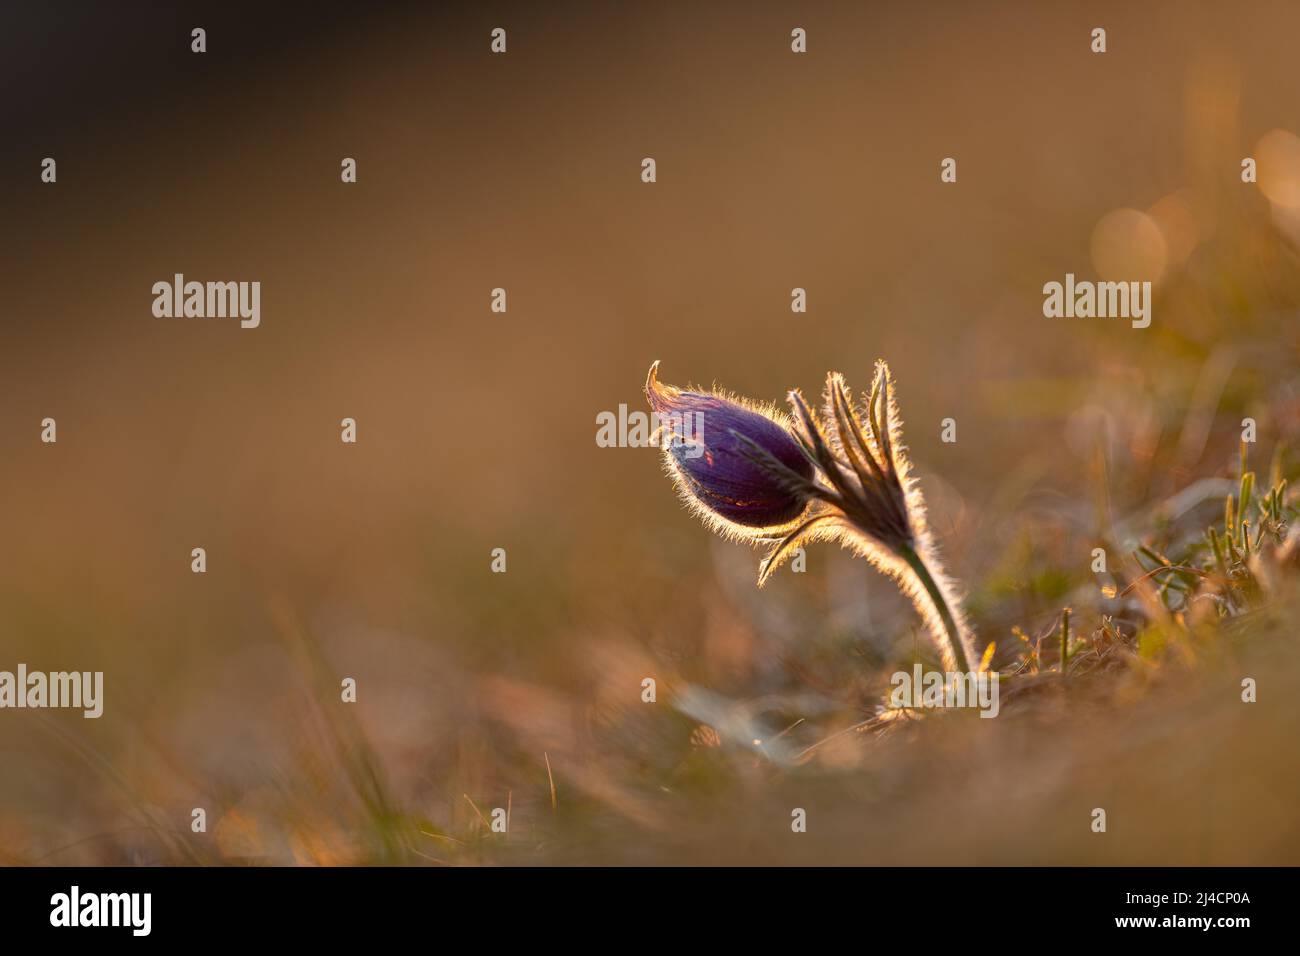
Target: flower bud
714 447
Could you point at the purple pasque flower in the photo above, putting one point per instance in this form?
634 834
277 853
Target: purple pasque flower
751 473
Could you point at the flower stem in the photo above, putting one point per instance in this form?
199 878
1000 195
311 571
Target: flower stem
955 645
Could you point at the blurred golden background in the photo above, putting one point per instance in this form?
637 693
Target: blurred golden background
477 430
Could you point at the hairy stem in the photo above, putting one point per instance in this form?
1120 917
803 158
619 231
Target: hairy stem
952 634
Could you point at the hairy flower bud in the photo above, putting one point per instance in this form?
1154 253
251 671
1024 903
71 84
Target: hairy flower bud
715 448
